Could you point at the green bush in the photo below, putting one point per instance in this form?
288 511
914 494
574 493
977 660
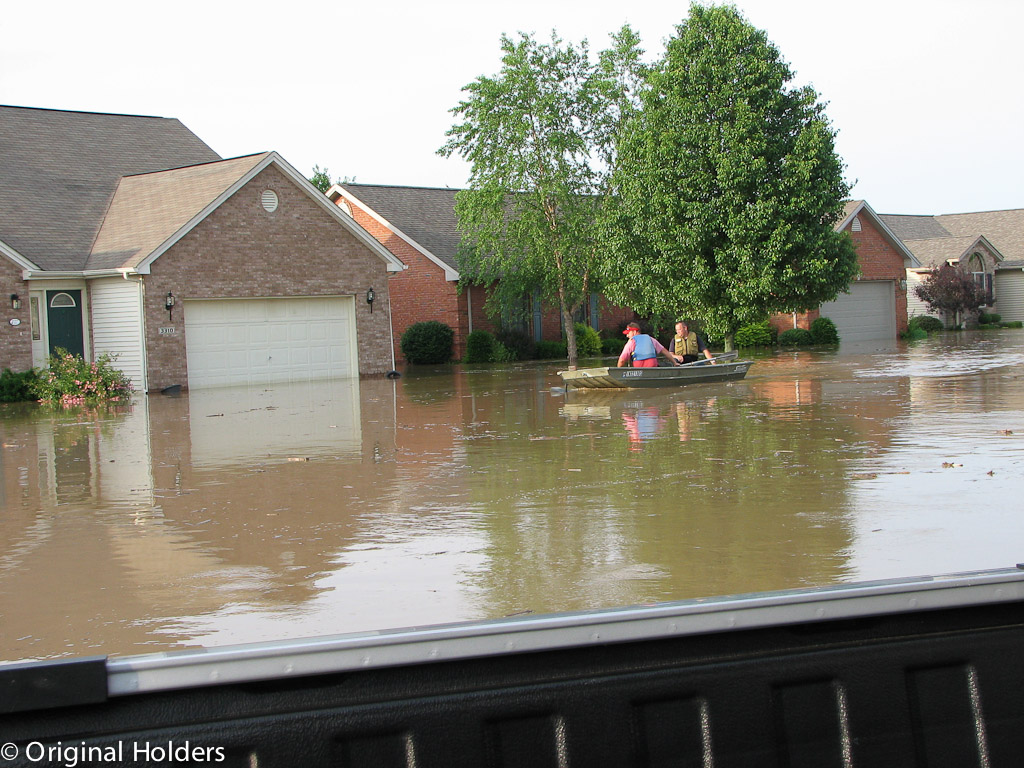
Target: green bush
71 380
796 337
518 342
479 347
551 350
988 318
612 346
824 331
427 343
588 341
914 333
503 354
1012 324
926 323
17 387
755 335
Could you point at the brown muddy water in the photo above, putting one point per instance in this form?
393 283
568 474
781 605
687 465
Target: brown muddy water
229 516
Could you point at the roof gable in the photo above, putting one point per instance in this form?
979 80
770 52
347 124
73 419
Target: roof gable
164 223
854 208
936 251
148 209
61 169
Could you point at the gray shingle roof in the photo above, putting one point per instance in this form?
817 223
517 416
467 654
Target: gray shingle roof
425 214
914 227
59 171
1004 229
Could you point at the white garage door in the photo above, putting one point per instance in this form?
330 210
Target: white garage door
866 313
263 341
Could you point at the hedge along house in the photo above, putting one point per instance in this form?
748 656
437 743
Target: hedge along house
874 307
128 235
989 245
419 226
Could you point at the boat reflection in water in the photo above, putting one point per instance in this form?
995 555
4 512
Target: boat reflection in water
645 421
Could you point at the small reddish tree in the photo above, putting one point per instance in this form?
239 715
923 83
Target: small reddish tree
952 292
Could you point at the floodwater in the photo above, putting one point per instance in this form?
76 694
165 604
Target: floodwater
227 516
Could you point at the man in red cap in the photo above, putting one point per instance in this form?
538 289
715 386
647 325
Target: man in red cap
642 348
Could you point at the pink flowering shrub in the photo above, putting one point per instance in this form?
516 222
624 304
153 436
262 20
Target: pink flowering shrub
70 380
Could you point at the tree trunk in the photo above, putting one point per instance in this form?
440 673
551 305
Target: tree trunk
570 335
730 342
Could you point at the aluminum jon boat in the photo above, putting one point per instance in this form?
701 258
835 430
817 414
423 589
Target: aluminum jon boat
726 368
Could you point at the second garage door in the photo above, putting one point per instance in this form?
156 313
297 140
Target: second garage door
264 341
866 313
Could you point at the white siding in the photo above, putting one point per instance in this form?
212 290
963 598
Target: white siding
914 305
116 306
1010 294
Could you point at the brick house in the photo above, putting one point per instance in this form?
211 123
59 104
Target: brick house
875 304
128 235
419 226
989 245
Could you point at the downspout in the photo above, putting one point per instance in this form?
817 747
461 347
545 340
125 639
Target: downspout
143 346
469 306
391 331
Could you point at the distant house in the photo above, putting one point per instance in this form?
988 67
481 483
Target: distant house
989 245
419 226
874 307
128 235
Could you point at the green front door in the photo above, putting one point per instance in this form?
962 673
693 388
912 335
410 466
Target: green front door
64 321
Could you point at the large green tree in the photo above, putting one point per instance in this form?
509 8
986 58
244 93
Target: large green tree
727 185
540 138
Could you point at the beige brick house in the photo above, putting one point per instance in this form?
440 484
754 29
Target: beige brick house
128 235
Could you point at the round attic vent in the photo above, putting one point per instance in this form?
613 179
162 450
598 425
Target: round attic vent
269 200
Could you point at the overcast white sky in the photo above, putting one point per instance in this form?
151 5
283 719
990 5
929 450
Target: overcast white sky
926 96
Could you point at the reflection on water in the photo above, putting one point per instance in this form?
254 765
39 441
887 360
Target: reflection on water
226 516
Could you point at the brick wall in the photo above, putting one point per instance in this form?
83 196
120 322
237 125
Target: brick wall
881 261
242 251
419 293
422 293
15 340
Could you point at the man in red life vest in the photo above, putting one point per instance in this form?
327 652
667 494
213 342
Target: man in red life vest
643 349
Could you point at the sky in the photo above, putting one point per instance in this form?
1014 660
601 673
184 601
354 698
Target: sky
926 98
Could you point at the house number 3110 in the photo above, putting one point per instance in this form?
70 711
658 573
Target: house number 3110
168 330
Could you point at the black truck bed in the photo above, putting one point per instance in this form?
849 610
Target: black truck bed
917 672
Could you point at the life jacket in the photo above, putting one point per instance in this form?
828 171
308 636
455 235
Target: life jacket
643 347
687 346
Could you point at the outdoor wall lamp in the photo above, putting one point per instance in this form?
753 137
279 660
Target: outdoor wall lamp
169 304
370 296
15 301
903 285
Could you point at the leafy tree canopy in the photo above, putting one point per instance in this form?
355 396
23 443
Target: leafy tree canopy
540 140
321 179
727 185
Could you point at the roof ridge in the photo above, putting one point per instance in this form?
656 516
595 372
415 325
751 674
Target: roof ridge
975 213
86 112
400 186
196 165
